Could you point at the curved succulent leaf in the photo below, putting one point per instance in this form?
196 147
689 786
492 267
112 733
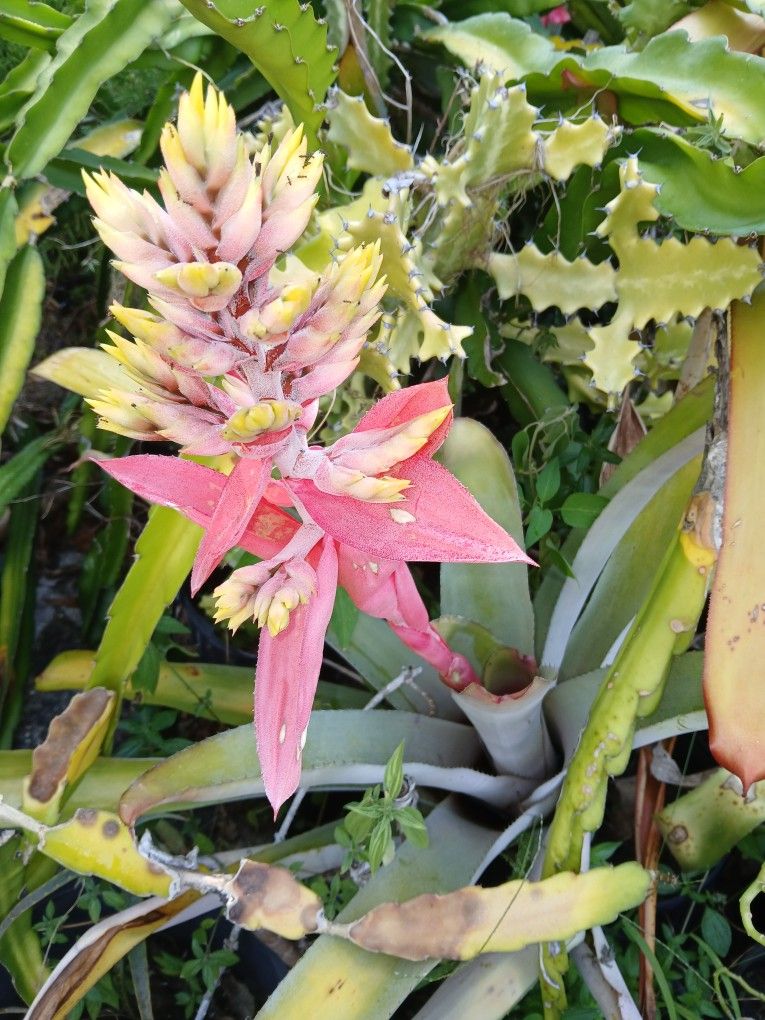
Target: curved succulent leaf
367 140
496 595
631 688
285 42
343 749
98 44
20 317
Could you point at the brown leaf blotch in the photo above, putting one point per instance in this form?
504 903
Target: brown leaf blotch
261 896
427 927
110 828
66 732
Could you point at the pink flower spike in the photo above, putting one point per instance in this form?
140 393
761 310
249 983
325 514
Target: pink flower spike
285 681
242 491
438 520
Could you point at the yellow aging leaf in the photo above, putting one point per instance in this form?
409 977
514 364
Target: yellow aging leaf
70 748
470 921
99 843
85 370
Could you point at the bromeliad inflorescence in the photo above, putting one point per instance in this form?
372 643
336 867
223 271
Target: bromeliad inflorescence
232 361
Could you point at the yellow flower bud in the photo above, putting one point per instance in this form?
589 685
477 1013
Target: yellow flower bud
201 279
119 412
266 416
278 315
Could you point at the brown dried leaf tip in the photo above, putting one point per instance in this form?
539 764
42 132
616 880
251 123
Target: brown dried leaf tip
73 741
260 896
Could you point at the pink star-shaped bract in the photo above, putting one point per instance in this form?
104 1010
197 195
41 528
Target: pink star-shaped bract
356 543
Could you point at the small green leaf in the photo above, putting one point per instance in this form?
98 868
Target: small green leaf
520 447
716 931
344 617
540 522
380 844
603 852
413 827
147 672
548 481
365 809
556 558
580 509
358 827
394 773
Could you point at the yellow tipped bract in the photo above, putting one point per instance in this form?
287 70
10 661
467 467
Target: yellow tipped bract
278 315
266 416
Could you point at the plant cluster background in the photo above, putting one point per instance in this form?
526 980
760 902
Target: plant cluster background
403 364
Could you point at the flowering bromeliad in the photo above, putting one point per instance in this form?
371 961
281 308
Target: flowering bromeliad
232 361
